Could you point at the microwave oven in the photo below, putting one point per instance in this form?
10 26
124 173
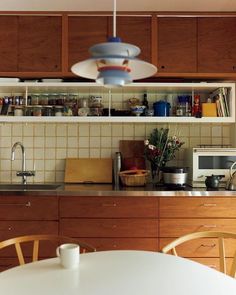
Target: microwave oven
203 162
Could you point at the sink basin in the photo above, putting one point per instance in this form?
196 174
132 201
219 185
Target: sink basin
30 186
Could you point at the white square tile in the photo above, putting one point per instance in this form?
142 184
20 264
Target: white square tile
60 165
60 176
216 131
95 153
50 130
72 130
5 142
39 177
83 142
95 142
50 142
61 130
72 153
106 129
106 142
6 130
72 142
50 176
83 129
128 130
39 142
17 130
39 129
117 130
139 130
50 165
61 142
61 153
49 154
39 153
83 153
28 129
105 153
95 130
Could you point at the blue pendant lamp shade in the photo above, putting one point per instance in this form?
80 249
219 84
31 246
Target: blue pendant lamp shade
114 64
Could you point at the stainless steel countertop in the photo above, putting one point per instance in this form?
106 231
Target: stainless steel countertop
110 190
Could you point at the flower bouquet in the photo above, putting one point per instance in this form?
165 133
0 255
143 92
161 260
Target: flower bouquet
160 148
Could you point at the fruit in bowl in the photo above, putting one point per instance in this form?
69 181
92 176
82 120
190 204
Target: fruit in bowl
137 110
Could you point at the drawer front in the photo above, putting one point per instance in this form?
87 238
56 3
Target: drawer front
180 227
11 229
202 247
197 207
110 207
109 228
103 244
28 208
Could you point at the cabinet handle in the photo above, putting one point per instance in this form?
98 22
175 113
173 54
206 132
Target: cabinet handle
209 225
8 229
28 204
208 246
209 205
109 205
109 226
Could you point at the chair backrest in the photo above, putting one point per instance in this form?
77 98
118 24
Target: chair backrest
171 247
35 239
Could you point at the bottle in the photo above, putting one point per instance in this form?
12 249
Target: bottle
117 168
145 103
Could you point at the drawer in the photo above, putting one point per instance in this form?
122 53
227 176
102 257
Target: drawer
109 228
214 263
198 207
202 247
110 207
28 208
11 229
179 227
103 244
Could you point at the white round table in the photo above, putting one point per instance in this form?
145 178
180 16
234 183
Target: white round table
117 273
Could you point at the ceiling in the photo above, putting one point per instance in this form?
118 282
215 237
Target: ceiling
122 5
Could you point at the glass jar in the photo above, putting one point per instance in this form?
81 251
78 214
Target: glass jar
18 111
43 99
183 108
58 110
37 111
47 111
35 99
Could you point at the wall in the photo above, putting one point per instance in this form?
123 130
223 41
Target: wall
47 145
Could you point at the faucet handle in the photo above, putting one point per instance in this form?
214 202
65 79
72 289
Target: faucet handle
26 173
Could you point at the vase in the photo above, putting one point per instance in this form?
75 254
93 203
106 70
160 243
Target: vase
155 174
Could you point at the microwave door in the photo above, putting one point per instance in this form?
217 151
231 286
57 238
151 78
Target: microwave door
214 164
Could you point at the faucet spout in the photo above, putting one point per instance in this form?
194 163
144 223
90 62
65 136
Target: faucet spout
23 158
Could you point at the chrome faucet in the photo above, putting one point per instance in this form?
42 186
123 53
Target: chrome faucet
23 173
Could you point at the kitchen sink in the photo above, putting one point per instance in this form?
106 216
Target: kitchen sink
30 186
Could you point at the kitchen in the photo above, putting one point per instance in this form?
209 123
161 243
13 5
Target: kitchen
135 220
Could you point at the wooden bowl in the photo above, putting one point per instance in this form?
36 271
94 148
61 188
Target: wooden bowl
134 177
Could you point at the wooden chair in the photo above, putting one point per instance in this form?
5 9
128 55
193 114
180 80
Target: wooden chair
207 234
35 239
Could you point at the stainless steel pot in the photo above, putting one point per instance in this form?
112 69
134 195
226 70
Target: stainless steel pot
175 176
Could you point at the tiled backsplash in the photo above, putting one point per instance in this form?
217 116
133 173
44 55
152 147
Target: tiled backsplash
48 144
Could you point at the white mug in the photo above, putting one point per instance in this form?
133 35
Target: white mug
69 255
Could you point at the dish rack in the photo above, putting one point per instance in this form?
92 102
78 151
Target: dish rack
134 177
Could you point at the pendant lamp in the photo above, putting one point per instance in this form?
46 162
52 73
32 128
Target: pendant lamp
113 63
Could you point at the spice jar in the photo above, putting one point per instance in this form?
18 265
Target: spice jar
37 111
58 111
18 111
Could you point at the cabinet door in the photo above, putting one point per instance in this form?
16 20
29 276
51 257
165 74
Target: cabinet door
216 44
39 44
177 44
85 31
136 30
8 43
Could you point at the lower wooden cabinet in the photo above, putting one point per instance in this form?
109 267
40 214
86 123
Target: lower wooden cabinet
27 215
110 223
181 216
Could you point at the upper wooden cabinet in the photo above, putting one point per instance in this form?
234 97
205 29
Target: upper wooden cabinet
83 32
216 44
30 43
136 30
86 31
177 44
39 43
8 43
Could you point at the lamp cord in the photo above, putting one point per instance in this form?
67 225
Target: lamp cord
114 18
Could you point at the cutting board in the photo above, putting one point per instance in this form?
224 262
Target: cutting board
88 170
132 152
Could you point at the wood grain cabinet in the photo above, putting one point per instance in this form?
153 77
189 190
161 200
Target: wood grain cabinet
180 216
111 222
177 44
30 43
136 30
216 44
25 215
83 32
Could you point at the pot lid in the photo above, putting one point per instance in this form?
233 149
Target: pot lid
174 169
